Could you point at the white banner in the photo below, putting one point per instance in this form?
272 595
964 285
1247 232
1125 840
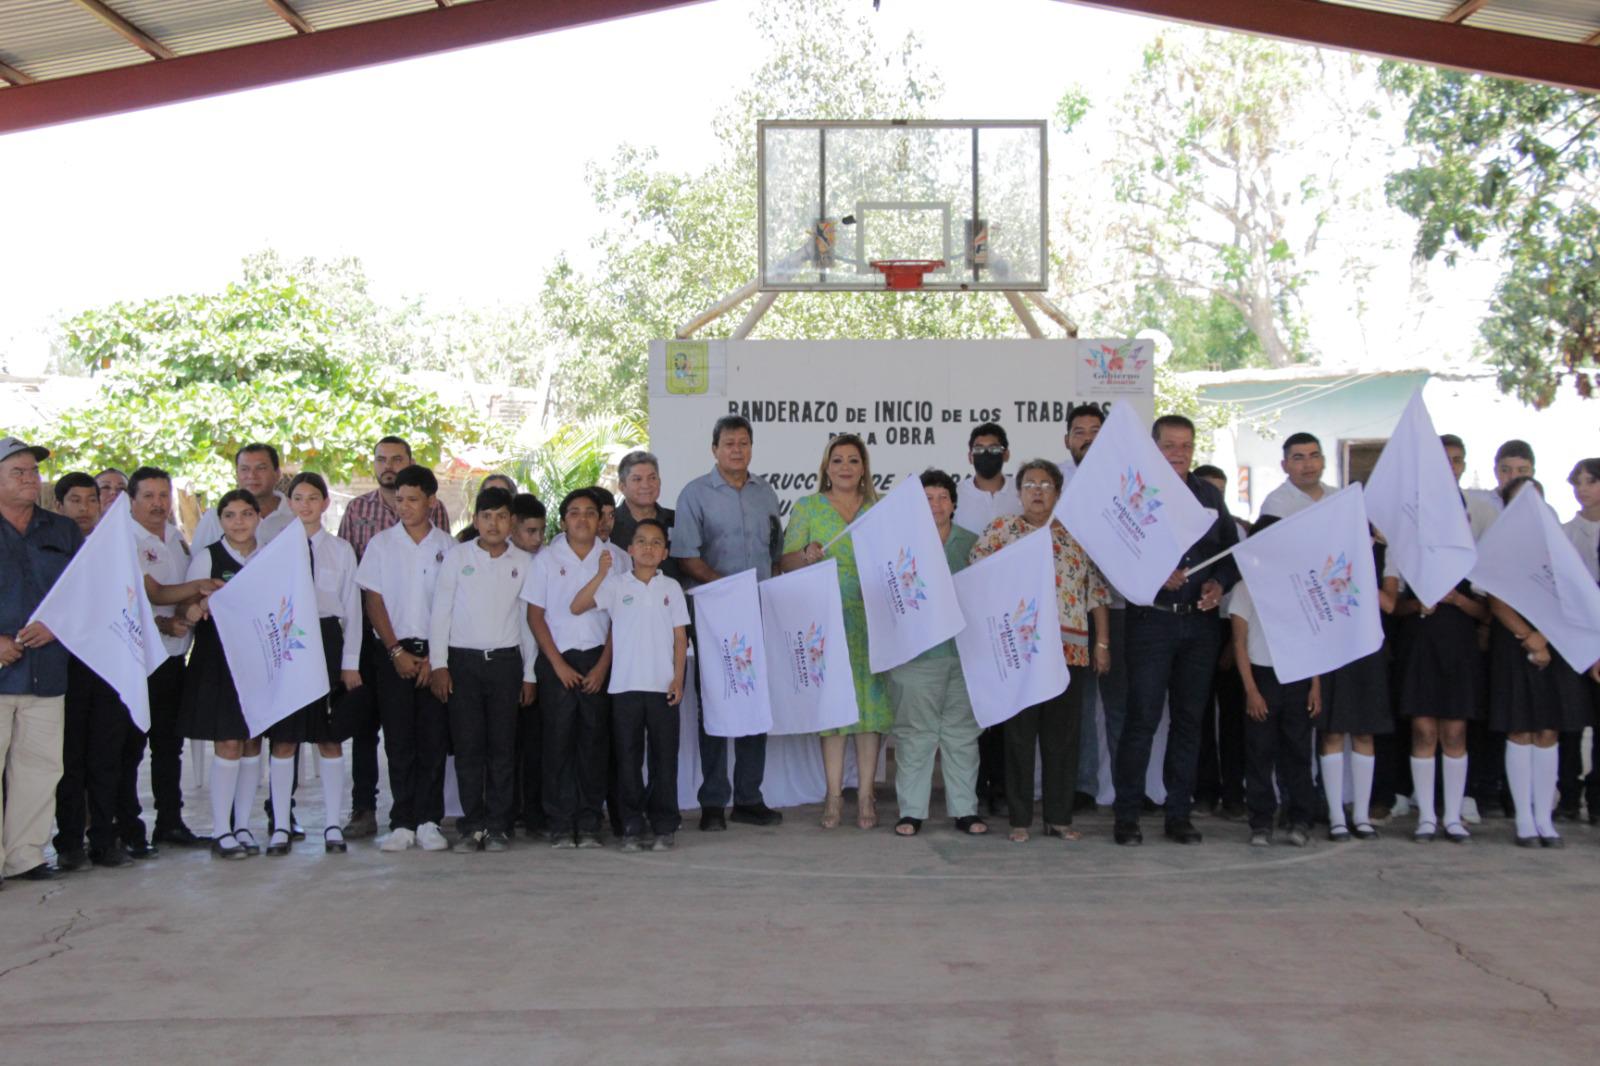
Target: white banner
1526 560
1315 586
905 580
1413 500
1133 515
808 659
1011 654
733 663
267 618
98 609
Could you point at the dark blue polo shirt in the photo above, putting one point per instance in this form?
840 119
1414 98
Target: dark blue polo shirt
29 564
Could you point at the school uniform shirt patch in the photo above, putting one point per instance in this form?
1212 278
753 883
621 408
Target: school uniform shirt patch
150 556
563 571
468 571
514 572
627 601
438 557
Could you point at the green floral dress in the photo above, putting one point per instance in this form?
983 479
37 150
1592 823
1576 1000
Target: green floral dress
814 519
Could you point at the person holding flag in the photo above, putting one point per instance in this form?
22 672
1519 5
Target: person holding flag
814 533
1051 726
1584 532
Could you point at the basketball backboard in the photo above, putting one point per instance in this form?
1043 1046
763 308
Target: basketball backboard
833 197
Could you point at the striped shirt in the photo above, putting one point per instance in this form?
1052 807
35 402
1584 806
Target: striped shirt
371 514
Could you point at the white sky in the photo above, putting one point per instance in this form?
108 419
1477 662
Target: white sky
459 177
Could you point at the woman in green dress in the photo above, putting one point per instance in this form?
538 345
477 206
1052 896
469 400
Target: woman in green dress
845 490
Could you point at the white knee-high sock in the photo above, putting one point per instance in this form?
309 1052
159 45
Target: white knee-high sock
1545 764
333 791
1333 787
1361 768
1422 782
282 785
1519 779
224 780
1455 787
245 794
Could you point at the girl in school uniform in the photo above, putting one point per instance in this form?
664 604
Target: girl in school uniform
1534 697
333 571
210 708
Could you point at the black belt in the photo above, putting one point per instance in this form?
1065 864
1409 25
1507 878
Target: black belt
1175 608
414 646
489 654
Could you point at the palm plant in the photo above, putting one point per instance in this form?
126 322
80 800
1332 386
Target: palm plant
578 454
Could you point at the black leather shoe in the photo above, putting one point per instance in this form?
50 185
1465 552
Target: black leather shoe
178 836
1081 802
111 858
1183 832
755 814
71 861
141 850
1127 834
43 872
713 820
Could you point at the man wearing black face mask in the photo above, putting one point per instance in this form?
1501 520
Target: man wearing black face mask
986 495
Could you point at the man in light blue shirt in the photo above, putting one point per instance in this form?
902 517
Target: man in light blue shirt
727 522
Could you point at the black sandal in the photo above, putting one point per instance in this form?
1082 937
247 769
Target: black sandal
228 851
914 823
968 823
332 847
278 842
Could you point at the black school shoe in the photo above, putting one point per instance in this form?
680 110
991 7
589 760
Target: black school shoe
1183 832
72 860
755 814
178 835
111 858
713 820
1127 834
43 872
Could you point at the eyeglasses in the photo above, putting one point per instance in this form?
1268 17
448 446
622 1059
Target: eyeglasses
989 449
1038 486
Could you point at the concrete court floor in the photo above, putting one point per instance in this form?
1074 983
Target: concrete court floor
798 945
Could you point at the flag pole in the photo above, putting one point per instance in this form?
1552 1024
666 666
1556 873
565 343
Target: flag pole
1214 559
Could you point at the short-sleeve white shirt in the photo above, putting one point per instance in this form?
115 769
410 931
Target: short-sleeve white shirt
166 560
478 604
404 573
209 531
1289 499
643 620
976 509
1255 637
554 579
333 571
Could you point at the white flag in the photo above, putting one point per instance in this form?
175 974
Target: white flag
1413 500
808 659
267 618
905 579
98 609
1315 586
1011 654
1133 515
733 663
1526 560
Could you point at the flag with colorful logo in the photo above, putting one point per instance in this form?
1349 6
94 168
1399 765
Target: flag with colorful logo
734 698
98 609
1010 651
1315 586
1526 560
905 581
267 618
1413 500
808 659
1131 512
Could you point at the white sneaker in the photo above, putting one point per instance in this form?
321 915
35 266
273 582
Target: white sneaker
1402 806
430 839
1469 811
398 840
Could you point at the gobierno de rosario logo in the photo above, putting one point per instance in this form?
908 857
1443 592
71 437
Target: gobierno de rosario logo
808 649
279 634
1332 589
738 666
907 590
1112 365
131 630
1133 507
1019 633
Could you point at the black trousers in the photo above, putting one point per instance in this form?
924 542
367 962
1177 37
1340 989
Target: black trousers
483 732
1053 727
364 728
575 726
992 762
166 752
1221 774
1281 745
644 726
416 738
1173 658
89 796
529 768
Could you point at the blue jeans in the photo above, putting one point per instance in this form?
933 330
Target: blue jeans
749 768
1171 658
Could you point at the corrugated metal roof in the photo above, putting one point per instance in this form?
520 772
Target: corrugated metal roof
57 38
188 26
326 14
1572 21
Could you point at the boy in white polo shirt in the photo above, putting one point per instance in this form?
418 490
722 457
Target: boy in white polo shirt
397 576
574 658
482 653
649 641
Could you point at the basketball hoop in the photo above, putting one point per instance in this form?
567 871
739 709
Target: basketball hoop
905 274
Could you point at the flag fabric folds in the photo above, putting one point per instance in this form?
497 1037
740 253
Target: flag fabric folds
808 659
905 581
1011 655
1131 512
266 616
730 648
1315 586
1413 500
1526 560
98 609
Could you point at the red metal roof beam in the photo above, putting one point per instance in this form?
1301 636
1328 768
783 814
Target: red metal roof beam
135 36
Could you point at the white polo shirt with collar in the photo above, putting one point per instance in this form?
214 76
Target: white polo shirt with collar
644 618
1289 499
404 573
555 578
166 560
477 605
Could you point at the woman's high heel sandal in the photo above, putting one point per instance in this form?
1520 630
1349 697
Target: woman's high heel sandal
832 812
866 809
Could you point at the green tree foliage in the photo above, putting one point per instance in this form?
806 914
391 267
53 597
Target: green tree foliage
1223 199
1513 163
185 380
676 242
577 455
